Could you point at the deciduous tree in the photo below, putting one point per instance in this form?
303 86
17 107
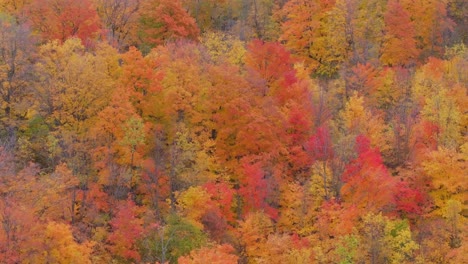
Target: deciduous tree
218 254
399 45
16 62
120 18
63 19
127 228
164 20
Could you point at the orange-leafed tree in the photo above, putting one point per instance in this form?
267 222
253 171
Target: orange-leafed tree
364 79
399 44
301 25
432 25
140 80
60 246
253 233
244 122
26 206
112 152
220 254
298 206
57 200
62 19
314 32
445 168
336 219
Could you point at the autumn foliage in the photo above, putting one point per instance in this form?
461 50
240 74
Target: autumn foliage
272 131
58 19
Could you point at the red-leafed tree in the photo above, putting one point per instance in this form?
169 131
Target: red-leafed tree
223 195
154 185
409 202
19 230
91 202
271 62
295 102
320 145
126 229
216 220
368 184
296 130
254 190
271 73
62 19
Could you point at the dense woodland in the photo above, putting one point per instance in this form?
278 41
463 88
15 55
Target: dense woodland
233 131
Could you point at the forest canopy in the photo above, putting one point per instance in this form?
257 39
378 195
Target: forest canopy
233 131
